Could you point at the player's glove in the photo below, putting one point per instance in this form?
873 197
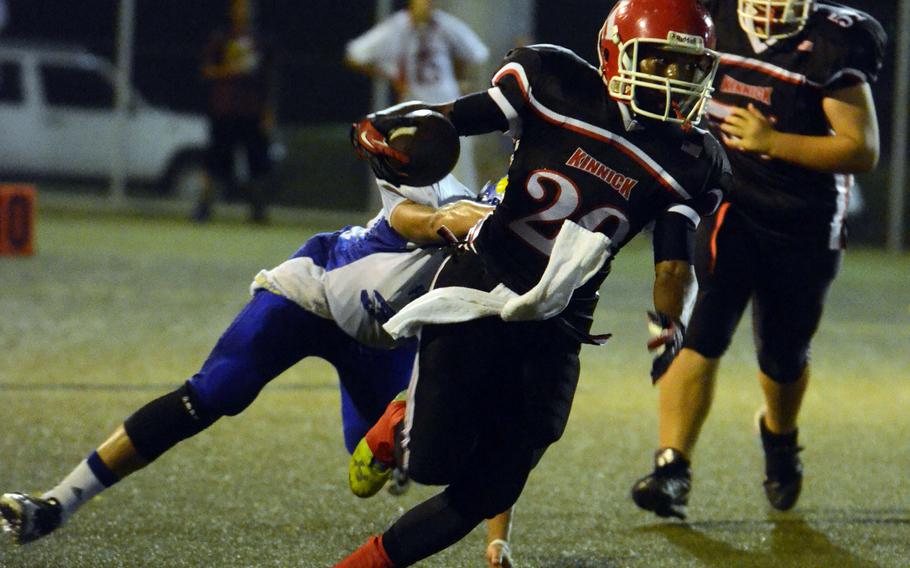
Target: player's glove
369 140
665 342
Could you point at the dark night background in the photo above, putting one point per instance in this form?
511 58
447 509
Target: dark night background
309 37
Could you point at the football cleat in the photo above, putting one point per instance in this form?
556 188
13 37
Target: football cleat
29 518
783 468
665 492
374 458
366 475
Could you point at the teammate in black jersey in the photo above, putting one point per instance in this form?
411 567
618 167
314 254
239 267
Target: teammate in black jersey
609 150
794 108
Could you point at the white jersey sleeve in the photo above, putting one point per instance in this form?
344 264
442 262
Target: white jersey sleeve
364 294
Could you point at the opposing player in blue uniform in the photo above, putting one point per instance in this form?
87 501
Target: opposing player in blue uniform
328 300
793 106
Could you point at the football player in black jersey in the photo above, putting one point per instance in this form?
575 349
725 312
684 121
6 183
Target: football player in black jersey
599 152
794 108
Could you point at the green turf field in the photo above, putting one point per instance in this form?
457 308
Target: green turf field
114 311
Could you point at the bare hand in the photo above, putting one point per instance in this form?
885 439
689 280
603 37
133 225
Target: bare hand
748 130
499 555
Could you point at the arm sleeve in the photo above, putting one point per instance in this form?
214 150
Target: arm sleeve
674 235
674 228
516 75
716 184
478 113
513 84
860 56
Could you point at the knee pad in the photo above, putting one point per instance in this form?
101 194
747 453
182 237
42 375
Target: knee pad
161 424
783 366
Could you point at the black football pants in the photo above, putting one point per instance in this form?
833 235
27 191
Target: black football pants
786 282
489 397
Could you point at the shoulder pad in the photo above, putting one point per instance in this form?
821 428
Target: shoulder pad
853 43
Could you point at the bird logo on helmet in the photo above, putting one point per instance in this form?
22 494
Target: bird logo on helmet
773 19
658 58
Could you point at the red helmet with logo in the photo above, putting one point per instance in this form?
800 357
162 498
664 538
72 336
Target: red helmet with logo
675 29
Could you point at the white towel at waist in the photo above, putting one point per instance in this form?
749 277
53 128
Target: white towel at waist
577 255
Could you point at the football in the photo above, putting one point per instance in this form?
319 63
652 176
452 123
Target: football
431 143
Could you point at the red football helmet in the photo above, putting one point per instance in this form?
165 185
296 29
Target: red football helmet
773 19
657 56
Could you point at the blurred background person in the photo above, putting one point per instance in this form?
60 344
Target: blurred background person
425 53
236 68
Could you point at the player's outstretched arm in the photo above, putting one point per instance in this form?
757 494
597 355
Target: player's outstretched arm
421 224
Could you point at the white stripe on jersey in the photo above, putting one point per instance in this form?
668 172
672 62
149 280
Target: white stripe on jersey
508 110
842 183
849 71
409 413
516 70
686 212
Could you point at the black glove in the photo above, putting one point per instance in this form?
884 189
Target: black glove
368 137
666 340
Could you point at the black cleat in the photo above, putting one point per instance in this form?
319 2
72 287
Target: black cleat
783 468
665 492
29 518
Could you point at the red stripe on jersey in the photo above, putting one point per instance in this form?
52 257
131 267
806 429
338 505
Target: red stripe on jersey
585 132
721 213
511 69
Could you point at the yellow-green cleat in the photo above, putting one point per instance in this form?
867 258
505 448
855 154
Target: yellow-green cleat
366 476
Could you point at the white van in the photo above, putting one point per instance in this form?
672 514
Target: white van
57 120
